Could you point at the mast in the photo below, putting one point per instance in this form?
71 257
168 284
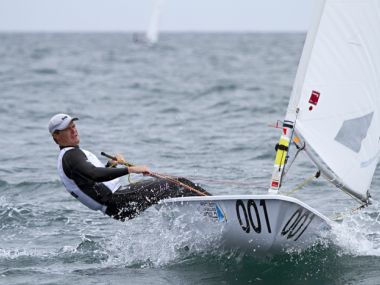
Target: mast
282 149
283 145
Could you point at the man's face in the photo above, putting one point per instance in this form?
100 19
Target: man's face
68 136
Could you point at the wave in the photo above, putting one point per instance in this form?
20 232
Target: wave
219 88
87 251
155 241
10 215
45 71
319 264
21 184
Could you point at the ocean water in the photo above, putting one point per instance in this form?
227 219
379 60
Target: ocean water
195 105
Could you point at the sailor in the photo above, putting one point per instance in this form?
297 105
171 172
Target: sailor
98 186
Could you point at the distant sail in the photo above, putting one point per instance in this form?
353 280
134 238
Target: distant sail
152 33
337 92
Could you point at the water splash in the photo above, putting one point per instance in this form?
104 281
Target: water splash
359 233
157 239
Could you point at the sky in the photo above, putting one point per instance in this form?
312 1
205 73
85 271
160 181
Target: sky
134 15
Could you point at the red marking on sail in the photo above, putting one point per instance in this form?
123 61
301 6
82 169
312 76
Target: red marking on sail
274 183
284 131
314 97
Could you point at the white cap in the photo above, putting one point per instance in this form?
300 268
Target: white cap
60 122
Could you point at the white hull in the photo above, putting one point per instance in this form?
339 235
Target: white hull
262 224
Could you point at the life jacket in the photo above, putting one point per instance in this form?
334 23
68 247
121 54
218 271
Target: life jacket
75 191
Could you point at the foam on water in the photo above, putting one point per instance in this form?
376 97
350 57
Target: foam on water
158 239
359 233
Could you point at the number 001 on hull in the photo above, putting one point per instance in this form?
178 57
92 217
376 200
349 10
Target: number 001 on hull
257 223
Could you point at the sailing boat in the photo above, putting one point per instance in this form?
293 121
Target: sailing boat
152 32
334 112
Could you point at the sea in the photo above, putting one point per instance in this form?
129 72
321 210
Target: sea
197 105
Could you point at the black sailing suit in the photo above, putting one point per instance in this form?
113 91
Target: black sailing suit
128 201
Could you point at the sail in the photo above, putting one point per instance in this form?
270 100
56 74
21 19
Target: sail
335 100
152 32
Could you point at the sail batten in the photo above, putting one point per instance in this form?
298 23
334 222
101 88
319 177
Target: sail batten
337 91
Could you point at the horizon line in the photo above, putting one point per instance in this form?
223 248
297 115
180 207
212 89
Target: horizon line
161 32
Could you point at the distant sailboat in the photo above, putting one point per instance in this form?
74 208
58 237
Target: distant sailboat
333 115
153 29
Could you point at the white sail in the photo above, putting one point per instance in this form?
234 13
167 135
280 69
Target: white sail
337 91
152 32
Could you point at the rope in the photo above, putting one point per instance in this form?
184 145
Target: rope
299 148
227 182
175 181
340 216
303 184
125 163
157 175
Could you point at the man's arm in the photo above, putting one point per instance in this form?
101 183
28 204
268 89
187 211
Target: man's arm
75 160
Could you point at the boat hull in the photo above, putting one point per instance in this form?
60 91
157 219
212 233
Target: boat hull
255 223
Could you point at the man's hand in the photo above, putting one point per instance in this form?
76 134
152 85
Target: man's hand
139 169
119 160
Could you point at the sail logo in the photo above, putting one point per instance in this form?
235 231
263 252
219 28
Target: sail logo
314 98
